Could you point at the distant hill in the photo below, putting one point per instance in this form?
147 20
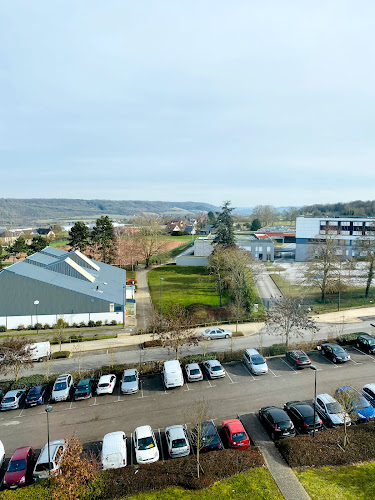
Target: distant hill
249 210
37 211
356 208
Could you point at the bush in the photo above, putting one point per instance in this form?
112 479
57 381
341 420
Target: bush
106 322
74 325
152 343
113 322
3 328
29 327
60 323
30 381
99 323
46 326
20 327
347 338
275 350
91 323
38 326
60 354
82 324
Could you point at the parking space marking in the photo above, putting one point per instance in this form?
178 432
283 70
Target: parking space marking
274 374
208 380
95 403
355 362
142 393
161 446
165 389
131 448
71 407
118 399
188 388
20 414
334 364
230 378
295 372
365 353
249 372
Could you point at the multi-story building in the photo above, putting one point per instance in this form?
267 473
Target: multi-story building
346 231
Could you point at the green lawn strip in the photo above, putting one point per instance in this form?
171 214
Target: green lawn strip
182 285
350 482
59 243
255 483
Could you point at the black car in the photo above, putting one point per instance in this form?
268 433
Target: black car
335 352
37 395
298 358
2 394
210 438
366 343
302 416
277 422
85 389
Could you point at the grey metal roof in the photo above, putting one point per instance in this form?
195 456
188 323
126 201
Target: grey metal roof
54 252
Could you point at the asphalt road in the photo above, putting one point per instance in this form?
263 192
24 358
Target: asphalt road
239 393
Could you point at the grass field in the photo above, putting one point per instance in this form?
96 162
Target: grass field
181 285
351 482
256 484
59 243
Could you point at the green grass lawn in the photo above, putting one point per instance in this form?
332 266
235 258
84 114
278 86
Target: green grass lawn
59 243
256 484
351 482
183 285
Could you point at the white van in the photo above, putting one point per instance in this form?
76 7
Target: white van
172 374
114 450
40 351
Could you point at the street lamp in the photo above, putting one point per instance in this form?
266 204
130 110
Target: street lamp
47 410
313 367
124 308
36 302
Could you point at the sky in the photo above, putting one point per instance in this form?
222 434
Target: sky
257 102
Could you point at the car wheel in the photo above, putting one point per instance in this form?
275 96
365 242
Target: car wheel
334 360
273 436
208 338
227 336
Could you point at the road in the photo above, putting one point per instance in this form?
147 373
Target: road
267 289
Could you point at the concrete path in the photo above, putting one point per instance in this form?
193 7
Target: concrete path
143 298
267 289
284 477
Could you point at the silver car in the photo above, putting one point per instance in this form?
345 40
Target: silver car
130 381
13 399
213 368
193 372
216 333
177 441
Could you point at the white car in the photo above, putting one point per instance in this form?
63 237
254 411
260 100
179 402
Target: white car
330 410
255 362
13 399
177 441
193 372
62 388
216 333
213 368
130 381
146 450
56 450
106 384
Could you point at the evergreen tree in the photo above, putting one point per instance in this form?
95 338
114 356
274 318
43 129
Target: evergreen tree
103 234
224 227
79 236
19 246
37 244
255 225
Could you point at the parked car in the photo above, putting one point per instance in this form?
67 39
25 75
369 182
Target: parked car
2 454
368 392
85 389
56 448
13 399
106 384
366 343
114 450
210 438
37 395
255 362
330 410
130 381
40 351
213 368
177 441
20 468
277 422
361 407
172 374
2 394
146 449
302 416
62 388
235 433
335 352
193 372
298 358
216 333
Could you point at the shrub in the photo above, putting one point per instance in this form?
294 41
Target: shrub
275 350
3 328
152 343
30 381
113 322
82 324
29 327
46 326
91 323
60 354
237 334
347 338
38 326
60 323
106 322
20 327
74 325
99 323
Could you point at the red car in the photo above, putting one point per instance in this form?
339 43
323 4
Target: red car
20 468
235 433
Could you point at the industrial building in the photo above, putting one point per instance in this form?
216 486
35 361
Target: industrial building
54 284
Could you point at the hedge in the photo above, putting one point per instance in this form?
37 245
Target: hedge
60 354
326 449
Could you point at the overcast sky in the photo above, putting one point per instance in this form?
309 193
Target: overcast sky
258 102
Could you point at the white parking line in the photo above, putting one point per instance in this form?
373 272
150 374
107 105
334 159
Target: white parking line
334 364
118 399
20 415
71 407
230 378
95 403
208 380
142 393
161 446
131 448
187 387
249 372
355 362
368 355
274 374
291 367
165 389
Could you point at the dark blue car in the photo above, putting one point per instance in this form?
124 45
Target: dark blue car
210 438
362 408
37 395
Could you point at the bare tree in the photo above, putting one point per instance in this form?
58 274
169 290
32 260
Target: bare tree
78 354
267 214
60 331
366 246
201 413
348 398
78 471
177 331
148 238
217 268
288 318
17 352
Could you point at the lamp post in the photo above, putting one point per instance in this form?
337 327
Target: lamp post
47 410
36 302
124 311
313 367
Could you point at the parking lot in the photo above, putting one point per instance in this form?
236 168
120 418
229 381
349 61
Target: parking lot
239 393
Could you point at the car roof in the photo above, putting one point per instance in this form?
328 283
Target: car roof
298 352
63 376
130 371
193 366
252 352
143 431
53 445
208 426
369 386
175 431
84 381
213 362
13 392
326 398
276 412
301 406
21 453
331 345
103 378
38 387
235 425
172 363
366 336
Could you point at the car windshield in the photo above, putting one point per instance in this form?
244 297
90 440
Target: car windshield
337 349
310 420
9 399
283 424
303 358
363 403
82 388
146 443
239 436
130 378
371 342
195 371
43 467
60 386
216 368
257 359
334 408
34 391
104 384
178 443
16 465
